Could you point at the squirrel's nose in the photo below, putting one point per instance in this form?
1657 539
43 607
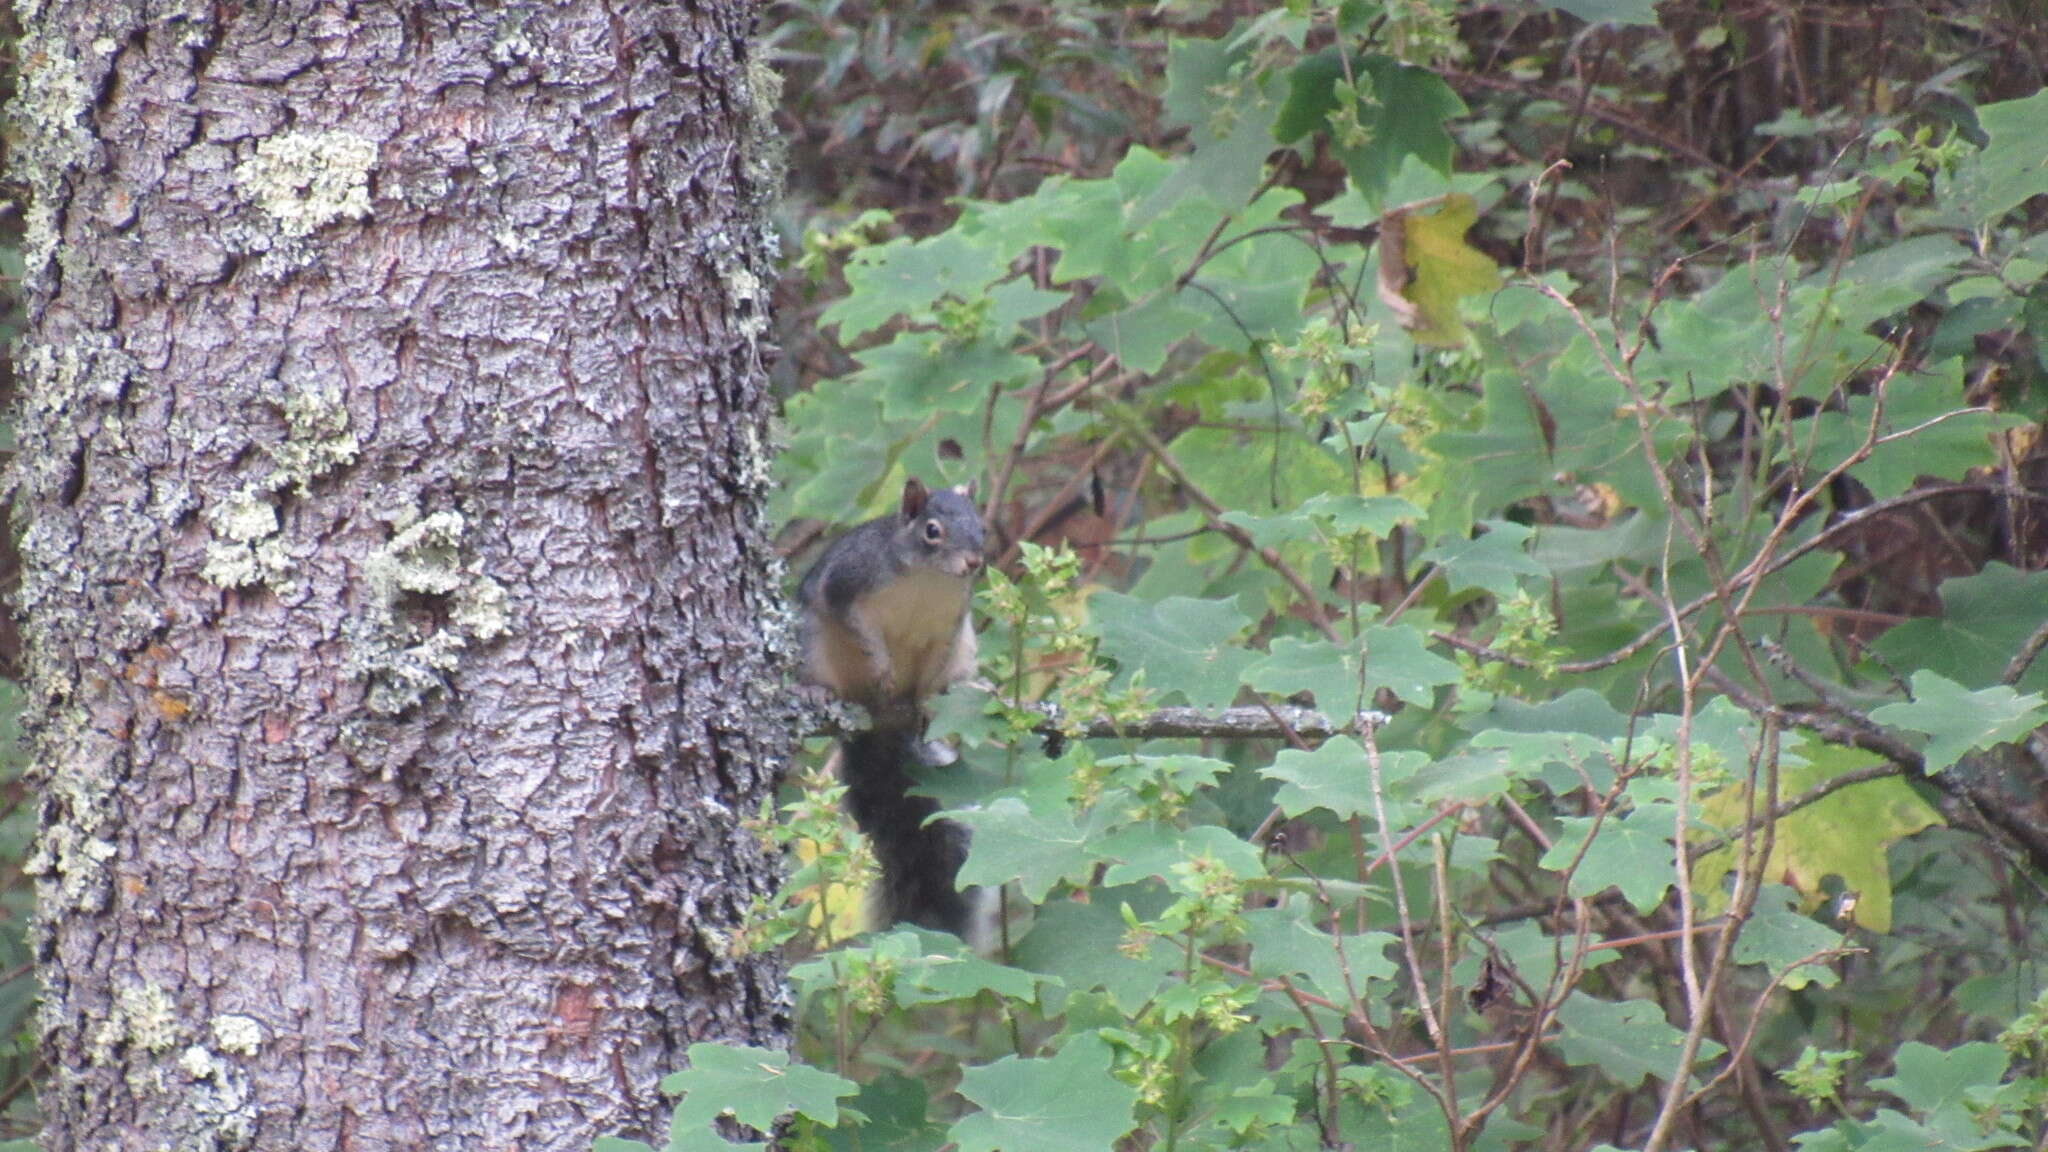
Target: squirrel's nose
972 563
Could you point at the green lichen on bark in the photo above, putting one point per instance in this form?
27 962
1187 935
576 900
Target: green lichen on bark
238 1034
248 548
202 1098
304 181
48 118
76 860
425 606
143 1016
70 854
219 1111
300 182
509 41
317 439
748 268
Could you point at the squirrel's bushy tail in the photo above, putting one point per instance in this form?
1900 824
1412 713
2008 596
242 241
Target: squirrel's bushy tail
920 857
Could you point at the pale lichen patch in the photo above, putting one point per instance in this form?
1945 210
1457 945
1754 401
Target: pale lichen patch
509 41
424 555
401 650
305 181
238 1034
223 1111
317 438
751 296
142 1015
245 549
48 114
247 546
77 862
763 152
213 1106
69 850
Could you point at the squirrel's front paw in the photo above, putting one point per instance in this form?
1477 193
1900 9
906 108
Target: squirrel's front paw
936 754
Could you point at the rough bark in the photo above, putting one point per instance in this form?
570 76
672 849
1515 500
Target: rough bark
392 456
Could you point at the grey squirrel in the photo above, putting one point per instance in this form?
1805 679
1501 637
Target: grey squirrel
886 626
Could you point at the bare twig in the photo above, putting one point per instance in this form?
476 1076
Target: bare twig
1256 722
1311 601
2024 658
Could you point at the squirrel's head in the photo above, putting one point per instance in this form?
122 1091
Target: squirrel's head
943 526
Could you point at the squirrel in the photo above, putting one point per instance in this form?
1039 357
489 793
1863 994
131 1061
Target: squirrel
886 626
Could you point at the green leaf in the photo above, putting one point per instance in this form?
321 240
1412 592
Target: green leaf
1069 1102
1140 336
1507 459
1471 776
1495 560
1632 852
1882 282
892 1110
1609 11
1015 301
1082 944
1946 450
1577 729
1984 619
2013 166
1013 843
1627 1040
1889 1131
921 372
1333 675
1342 679
755 1086
1311 96
1535 955
908 277
1228 114
1183 646
1397 659
1285 942
1345 514
1336 777
930 968
1405 116
1385 1114
1930 1080
1247 1106
1781 938
1142 851
1959 721
1259 473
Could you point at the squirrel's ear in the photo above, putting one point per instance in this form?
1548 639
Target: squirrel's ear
914 496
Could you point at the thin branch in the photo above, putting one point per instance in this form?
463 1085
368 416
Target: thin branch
2024 658
1819 540
1212 512
1254 722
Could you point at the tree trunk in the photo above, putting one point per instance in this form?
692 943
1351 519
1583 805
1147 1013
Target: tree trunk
392 452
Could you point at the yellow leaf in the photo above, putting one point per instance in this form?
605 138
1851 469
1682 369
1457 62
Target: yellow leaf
1442 269
1844 834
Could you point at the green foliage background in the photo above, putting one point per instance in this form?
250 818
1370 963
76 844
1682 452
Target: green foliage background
1635 423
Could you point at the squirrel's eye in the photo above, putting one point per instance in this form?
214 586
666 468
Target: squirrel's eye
934 531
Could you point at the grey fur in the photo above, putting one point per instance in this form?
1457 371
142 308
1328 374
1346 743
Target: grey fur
887 627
